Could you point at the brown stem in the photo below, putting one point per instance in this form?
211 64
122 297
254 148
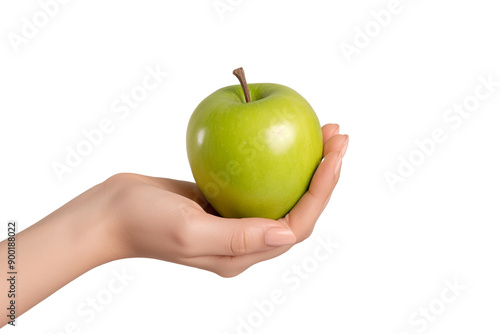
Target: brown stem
240 74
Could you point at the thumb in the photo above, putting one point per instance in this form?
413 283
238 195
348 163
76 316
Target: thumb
239 236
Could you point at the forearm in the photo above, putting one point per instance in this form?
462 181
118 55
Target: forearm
59 248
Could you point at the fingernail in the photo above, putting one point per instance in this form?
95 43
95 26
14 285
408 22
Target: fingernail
344 147
338 164
336 132
279 237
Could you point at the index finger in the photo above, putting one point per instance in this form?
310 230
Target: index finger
306 212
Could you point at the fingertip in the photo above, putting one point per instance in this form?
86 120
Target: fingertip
344 148
329 130
336 143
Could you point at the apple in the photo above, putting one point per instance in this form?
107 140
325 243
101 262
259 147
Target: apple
253 148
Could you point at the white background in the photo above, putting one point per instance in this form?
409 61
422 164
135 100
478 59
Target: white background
397 248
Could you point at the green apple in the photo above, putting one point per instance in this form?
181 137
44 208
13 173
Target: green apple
253 149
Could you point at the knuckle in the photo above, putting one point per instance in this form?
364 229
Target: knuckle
305 235
181 237
308 233
238 243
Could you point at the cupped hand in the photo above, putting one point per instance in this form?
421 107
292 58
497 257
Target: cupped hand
171 220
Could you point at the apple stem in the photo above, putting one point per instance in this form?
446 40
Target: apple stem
240 74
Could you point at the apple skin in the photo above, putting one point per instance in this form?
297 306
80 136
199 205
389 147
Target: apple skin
254 159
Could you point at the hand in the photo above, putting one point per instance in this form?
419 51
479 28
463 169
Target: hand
170 220
132 215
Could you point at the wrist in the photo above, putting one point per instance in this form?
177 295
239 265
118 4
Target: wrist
111 216
89 224
103 228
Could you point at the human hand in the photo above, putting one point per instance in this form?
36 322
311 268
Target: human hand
132 215
171 220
